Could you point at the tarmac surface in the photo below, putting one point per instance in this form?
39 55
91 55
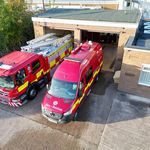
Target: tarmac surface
108 120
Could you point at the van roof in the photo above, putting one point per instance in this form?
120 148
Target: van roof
69 70
12 62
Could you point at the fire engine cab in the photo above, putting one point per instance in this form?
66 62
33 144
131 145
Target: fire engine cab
71 82
23 73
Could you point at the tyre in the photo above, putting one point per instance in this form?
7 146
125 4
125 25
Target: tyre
96 79
46 80
75 117
88 93
32 92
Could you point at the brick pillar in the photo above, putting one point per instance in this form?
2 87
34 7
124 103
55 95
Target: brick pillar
38 30
123 37
77 37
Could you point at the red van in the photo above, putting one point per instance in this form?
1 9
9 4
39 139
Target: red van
71 82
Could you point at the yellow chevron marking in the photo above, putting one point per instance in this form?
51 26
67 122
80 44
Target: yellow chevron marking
52 63
88 85
70 49
34 81
62 55
70 41
22 87
38 74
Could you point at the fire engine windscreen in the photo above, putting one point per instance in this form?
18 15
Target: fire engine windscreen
63 89
7 82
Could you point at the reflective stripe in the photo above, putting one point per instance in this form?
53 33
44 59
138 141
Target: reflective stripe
34 81
63 46
75 104
22 87
62 55
15 104
47 71
70 48
55 61
52 63
97 71
38 74
88 85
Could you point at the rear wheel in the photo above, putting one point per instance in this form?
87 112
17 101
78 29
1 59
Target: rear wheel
32 92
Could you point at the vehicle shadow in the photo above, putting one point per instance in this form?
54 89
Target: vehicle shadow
112 105
104 105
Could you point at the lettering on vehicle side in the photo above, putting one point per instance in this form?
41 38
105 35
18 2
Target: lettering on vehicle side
47 105
60 109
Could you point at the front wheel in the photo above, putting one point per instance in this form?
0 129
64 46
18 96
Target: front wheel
97 78
75 117
32 93
88 93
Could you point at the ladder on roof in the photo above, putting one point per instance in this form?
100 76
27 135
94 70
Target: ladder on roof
41 38
34 47
64 39
53 41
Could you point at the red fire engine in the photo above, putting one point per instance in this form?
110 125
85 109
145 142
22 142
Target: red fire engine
71 82
23 73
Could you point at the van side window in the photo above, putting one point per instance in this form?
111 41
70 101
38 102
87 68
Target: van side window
20 76
89 75
35 66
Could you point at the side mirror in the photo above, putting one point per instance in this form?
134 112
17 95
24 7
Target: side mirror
80 86
47 86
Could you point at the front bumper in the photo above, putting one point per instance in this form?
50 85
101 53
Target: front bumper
63 119
7 101
10 103
15 104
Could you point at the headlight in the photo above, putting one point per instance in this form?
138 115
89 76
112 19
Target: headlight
43 109
67 113
14 100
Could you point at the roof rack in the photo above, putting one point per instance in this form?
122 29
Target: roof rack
41 38
33 47
53 41
73 59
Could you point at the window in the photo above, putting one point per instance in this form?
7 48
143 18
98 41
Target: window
89 75
35 66
145 75
63 89
20 76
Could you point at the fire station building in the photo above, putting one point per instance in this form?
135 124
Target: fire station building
103 26
111 28
135 71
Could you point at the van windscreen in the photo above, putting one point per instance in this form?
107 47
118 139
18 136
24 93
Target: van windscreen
7 82
63 89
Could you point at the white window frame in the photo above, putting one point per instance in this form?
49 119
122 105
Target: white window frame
144 70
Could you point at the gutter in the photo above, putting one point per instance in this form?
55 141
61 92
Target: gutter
86 23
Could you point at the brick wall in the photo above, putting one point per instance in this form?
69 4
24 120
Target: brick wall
41 28
130 72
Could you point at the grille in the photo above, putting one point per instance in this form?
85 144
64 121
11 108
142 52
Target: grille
4 100
53 115
3 93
